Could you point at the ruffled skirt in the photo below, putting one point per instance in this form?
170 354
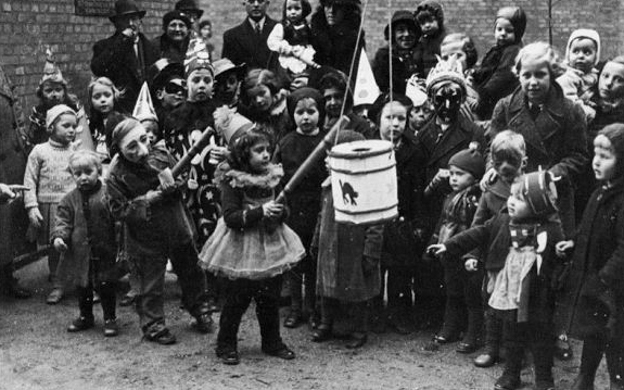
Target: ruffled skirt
252 253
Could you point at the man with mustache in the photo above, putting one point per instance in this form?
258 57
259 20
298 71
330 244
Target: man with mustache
174 43
126 56
247 42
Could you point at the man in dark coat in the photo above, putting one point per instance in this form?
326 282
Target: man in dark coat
126 56
247 42
13 219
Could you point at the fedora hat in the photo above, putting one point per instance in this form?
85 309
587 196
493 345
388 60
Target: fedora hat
125 8
189 6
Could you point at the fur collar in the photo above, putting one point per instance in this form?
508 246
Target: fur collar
241 179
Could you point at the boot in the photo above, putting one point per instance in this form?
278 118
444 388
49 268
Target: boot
493 336
452 321
510 380
471 340
10 284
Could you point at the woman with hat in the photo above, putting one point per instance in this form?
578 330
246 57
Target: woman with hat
402 34
126 56
174 42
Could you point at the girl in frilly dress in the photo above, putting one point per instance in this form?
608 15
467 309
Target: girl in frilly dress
251 246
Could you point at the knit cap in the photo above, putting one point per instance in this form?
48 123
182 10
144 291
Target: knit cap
584 33
176 15
615 134
305 93
469 160
56 111
517 18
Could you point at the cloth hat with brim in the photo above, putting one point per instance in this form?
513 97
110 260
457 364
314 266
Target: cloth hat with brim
176 15
56 111
402 16
225 65
326 3
189 6
125 8
164 70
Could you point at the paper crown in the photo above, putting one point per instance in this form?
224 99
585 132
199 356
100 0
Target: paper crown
416 90
51 72
144 109
197 57
444 72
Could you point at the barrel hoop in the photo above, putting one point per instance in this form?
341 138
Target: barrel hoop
366 211
359 155
376 222
350 172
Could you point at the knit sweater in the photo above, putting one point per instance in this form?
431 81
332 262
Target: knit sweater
47 174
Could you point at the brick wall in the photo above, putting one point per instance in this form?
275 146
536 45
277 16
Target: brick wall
28 25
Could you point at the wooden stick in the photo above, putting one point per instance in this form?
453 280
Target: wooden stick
193 151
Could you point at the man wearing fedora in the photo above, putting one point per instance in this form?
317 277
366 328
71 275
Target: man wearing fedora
192 11
126 56
247 42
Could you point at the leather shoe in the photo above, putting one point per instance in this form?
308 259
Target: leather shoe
203 323
466 347
283 353
163 337
322 333
357 341
55 296
506 382
230 357
293 320
79 324
485 360
439 339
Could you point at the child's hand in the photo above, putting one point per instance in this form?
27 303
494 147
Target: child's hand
436 249
272 209
471 265
60 245
35 217
167 182
442 175
488 179
563 248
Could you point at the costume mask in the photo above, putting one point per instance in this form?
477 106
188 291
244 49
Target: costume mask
447 102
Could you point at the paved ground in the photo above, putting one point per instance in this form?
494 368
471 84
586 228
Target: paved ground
37 353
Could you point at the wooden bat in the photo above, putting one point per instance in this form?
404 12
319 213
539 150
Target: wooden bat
193 151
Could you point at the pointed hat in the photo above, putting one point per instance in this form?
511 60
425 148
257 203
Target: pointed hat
144 109
51 72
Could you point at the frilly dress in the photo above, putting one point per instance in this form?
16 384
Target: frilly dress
260 251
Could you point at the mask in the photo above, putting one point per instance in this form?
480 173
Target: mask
447 101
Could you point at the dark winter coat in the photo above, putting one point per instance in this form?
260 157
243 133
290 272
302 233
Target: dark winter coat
597 271
556 140
494 239
492 201
13 156
114 57
152 228
167 48
437 154
403 67
426 52
86 225
400 245
494 78
337 45
241 44
343 250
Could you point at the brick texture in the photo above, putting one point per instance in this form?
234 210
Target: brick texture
27 26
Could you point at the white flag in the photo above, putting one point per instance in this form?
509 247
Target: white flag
366 88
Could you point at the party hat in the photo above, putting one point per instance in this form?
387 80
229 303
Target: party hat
51 72
416 90
144 109
366 88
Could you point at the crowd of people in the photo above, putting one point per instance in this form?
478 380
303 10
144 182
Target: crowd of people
510 184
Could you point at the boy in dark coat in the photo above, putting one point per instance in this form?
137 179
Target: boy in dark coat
594 288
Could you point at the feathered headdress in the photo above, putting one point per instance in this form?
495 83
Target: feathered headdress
445 72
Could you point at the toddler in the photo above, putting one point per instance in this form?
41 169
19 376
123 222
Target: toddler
580 81
494 79
430 17
520 243
84 232
49 180
291 37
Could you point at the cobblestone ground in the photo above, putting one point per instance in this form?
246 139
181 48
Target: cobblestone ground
36 352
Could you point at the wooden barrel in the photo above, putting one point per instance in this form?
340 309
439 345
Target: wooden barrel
364 182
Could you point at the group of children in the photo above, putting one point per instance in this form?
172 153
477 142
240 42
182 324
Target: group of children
493 217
